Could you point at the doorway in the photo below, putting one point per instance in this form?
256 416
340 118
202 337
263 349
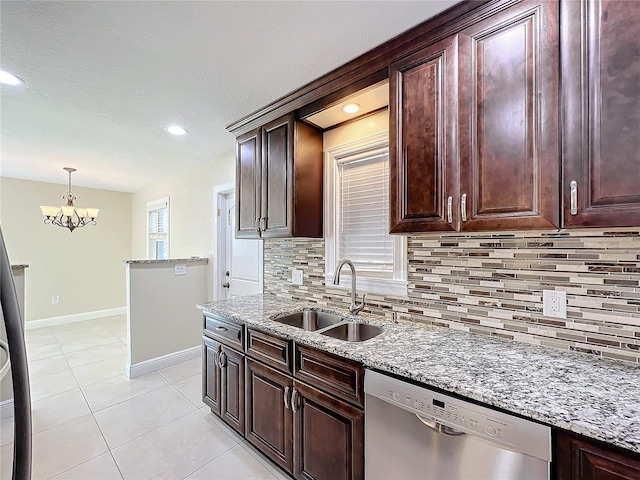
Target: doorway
238 262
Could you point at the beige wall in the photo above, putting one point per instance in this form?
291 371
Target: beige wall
190 209
162 316
83 268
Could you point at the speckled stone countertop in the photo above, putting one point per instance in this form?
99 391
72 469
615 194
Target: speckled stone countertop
170 260
596 397
20 266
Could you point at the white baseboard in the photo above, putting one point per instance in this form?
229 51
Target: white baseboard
164 361
6 409
76 317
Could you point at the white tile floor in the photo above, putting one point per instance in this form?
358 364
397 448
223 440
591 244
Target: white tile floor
90 422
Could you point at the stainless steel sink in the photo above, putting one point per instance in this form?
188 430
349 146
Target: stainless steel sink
353 331
309 319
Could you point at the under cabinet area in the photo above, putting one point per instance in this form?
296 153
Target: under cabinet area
474 127
279 172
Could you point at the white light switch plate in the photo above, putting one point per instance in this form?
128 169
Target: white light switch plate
180 270
554 303
296 277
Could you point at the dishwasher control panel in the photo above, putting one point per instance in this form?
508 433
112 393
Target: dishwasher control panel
461 416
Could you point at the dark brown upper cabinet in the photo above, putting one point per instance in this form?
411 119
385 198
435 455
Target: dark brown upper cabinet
423 147
601 119
508 120
279 181
474 127
248 168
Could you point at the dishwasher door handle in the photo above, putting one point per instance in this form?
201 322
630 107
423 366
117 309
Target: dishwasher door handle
439 427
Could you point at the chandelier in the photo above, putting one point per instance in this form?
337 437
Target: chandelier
68 216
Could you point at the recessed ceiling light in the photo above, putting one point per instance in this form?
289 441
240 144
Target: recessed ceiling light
176 130
7 78
351 108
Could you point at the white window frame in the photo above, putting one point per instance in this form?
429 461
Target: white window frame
388 286
155 205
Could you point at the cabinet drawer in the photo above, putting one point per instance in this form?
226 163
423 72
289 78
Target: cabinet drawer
338 376
272 350
226 332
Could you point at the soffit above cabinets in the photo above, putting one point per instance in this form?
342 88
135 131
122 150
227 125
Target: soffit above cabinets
370 99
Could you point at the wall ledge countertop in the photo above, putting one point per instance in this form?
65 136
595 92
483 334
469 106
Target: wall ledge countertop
596 397
170 260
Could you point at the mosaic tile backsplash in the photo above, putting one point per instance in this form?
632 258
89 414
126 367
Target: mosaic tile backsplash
492 285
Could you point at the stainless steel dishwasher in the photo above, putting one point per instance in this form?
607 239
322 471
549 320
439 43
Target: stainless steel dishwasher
416 433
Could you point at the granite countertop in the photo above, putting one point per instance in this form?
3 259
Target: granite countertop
19 266
170 260
599 398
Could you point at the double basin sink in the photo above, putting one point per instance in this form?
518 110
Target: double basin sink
331 325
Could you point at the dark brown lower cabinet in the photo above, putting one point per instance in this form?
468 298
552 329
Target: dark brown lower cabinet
581 458
211 374
232 388
327 436
268 419
223 382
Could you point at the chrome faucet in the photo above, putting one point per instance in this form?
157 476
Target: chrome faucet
353 308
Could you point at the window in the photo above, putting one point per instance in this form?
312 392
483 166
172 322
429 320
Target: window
158 229
357 217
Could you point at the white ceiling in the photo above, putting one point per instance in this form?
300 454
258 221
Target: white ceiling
103 78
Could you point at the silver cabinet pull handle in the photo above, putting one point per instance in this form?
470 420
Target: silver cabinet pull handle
257 225
217 360
294 400
220 328
449 209
463 207
286 397
574 197
223 360
263 223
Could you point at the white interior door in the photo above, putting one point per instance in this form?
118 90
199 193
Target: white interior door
242 272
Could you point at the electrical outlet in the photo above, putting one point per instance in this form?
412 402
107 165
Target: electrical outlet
296 277
180 270
554 303
55 299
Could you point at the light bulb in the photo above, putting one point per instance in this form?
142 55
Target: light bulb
351 108
176 130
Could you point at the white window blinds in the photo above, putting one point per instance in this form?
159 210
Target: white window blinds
363 212
158 230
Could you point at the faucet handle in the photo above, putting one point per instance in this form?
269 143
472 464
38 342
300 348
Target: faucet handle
355 309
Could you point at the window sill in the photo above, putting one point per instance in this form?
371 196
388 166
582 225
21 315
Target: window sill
384 286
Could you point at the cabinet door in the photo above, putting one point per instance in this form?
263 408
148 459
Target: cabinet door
423 143
232 386
268 414
601 122
277 177
328 436
579 458
508 119
248 154
211 374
